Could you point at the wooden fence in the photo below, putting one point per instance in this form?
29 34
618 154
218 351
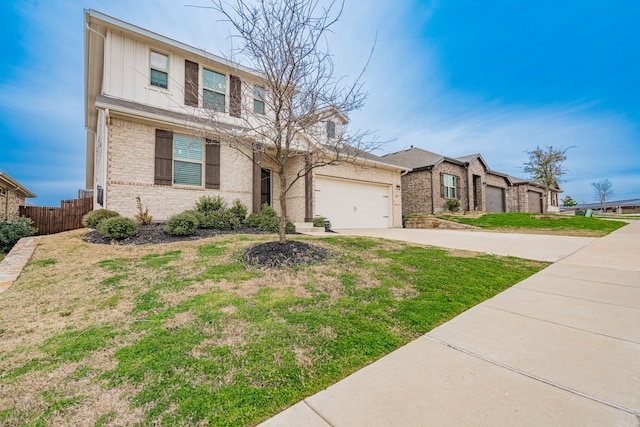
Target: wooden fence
55 220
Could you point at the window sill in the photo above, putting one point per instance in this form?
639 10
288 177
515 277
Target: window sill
188 187
158 89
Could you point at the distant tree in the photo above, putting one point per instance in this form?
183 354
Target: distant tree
568 201
602 190
292 123
546 167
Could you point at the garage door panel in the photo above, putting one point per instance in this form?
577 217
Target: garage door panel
352 204
535 201
495 199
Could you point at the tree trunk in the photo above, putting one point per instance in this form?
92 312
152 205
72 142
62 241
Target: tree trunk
282 231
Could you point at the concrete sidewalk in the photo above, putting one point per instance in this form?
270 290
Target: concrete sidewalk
561 348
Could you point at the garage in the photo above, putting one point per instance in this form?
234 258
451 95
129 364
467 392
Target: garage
534 201
352 204
495 199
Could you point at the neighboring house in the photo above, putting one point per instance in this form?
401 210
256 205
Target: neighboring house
150 134
435 178
610 206
12 196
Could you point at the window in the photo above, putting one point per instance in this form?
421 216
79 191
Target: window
214 90
159 70
449 186
187 160
331 129
179 159
258 99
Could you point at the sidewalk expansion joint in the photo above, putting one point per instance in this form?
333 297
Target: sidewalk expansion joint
559 324
317 413
578 298
535 378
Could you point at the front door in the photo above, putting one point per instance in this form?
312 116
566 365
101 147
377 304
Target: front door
265 187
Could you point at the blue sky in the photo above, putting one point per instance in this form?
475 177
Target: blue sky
455 77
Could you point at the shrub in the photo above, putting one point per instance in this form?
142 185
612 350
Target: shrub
268 220
200 216
210 203
453 205
222 219
118 227
318 221
13 230
142 216
182 224
93 218
239 210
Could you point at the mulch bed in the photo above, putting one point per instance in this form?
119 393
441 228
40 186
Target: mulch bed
283 254
270 254
154 234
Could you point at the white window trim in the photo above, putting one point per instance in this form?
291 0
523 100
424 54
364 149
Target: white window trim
201 163
167 72
226 89
255 98
445 187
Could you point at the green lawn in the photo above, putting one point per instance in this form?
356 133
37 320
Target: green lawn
185 334
2 256
557 224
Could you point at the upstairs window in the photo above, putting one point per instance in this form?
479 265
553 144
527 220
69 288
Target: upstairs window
449 186
159 70
187 160
214 90
258 99
331 129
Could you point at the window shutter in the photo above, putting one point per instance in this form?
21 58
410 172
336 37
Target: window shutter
458 194
164 157
190 83
441 184
212 170
235 105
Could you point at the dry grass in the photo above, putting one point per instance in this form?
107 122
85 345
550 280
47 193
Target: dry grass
72 288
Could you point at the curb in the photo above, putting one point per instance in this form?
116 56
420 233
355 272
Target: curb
16 259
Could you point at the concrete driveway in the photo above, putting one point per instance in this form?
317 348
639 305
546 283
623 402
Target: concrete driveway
537 247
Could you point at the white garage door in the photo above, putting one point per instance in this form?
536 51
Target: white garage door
352 204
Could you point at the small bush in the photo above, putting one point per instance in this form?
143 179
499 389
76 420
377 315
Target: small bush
239 209
142 216
318 221
200 216
118 228
93 218
210 203
13 230
268 220
453 205
222 219
182 224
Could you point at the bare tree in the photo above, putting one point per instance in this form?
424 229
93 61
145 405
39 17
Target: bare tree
602 190
299 101
546 167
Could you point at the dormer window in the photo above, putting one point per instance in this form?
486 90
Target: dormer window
331 129
214 90
159 70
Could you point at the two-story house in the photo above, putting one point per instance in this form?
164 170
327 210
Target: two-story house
151 133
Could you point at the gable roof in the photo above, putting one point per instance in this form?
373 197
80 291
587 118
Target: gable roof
417 158
13 185
414 158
